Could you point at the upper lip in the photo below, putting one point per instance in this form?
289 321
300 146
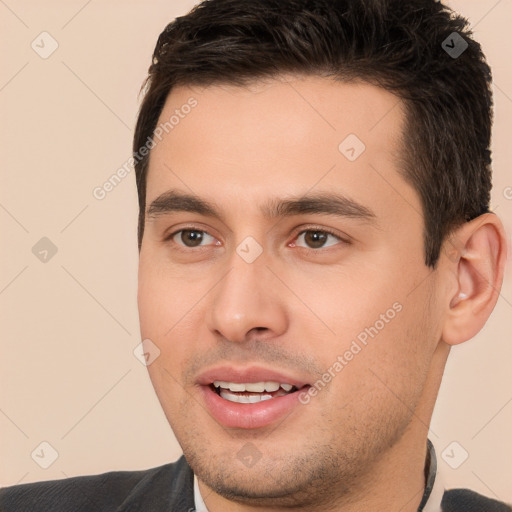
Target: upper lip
249 374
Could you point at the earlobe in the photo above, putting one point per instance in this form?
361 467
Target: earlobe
478 269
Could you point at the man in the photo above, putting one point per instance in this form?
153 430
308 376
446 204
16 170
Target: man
314 236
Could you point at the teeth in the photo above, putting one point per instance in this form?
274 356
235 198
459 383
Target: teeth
233 386
244 399
272 386
253 387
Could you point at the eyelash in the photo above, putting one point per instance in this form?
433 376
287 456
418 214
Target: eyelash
319 229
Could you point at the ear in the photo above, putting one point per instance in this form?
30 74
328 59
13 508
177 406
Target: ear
478 252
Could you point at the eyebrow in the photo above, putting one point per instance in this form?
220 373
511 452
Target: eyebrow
325 203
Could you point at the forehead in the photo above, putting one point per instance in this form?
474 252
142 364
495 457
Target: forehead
292 134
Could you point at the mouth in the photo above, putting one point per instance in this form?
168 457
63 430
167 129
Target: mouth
249 398
251 392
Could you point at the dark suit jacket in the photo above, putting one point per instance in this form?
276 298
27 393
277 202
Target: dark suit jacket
168 488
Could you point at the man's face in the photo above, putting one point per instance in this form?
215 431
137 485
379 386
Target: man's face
285 285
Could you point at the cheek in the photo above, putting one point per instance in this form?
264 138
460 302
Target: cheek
171 315
370 325
163 298
394 361
349 300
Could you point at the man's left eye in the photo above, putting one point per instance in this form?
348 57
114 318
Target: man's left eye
316 239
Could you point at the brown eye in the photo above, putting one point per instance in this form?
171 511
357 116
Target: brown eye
317 239
191 237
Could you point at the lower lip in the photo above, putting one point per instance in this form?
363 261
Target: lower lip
258 415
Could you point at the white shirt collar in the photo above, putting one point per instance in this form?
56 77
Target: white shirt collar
436 496
198 499
434 481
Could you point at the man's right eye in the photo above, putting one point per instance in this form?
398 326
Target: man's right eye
192 238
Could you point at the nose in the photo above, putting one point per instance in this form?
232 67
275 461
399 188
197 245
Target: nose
247 301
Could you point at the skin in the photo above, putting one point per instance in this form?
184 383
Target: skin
360 443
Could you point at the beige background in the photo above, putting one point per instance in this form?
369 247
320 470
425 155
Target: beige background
68 373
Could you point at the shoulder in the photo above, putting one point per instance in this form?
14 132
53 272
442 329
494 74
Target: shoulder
464 500
113 491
